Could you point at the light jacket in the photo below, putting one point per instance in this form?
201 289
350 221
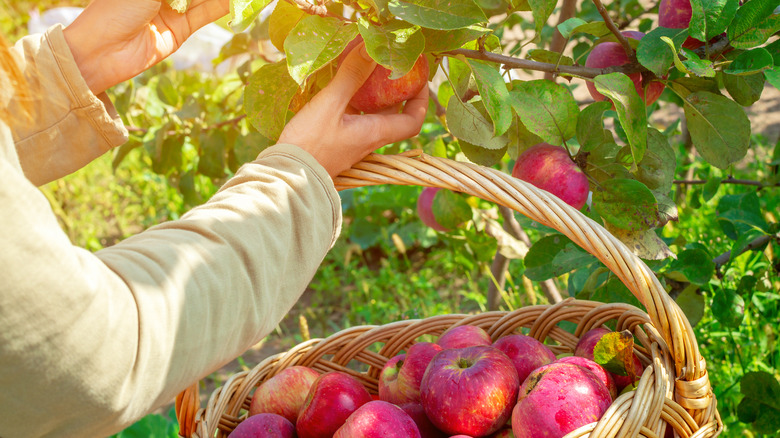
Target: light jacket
91 342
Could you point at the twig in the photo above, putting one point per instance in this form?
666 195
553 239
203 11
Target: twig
558 43
755 243
729 180
612 28
321 9
440 110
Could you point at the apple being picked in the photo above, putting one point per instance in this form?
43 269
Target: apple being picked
585 348
417 413
464 336
333 397
557 398
264 425
551 168
284 393
379 92
470 390
388 380
378 419
526 353
610 53
603 375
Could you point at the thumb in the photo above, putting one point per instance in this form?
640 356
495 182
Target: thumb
352 73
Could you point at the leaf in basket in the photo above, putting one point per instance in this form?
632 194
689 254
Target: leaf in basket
554 255
450 209
615 352
627 204
761 405
644 244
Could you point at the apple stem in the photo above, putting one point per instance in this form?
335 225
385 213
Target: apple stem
612 28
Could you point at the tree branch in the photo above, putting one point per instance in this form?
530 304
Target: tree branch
729 180
558 43
612 28
755 243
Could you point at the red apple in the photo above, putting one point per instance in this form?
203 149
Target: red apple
464 336
469 390
418 356
676 14
425 208
550 168
424 425
585 348
264 425
388 380
284 393
558 398
333 397
378 419
379 92
603 375
611 53
526 353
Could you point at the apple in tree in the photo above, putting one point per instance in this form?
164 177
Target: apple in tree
464 336
551 168
676 14
585 348
469 390
558 398
610 53
417 413
379 92
418 356
333 397
526 353
265 425
284 393
603 375
388 380
378 419
425 208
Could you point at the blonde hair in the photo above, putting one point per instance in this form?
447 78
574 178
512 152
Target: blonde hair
12 85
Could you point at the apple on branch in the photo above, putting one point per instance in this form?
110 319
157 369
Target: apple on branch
676 14
551 168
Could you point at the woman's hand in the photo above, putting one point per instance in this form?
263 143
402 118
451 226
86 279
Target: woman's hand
114 40
327 129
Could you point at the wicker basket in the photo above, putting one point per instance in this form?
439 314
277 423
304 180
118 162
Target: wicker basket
674 390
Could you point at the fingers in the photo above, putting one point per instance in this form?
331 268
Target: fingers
352 73
203 12
409 122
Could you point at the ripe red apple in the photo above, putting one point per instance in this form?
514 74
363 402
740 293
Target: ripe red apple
526 353
417 413
284 393
388 380
264 425
558 398
611 53
603 375
418 356
550 168
464 336
676 14
469 390
379 92
378 419
333 397
425 208
585 348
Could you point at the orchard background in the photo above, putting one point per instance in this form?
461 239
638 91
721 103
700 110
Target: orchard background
690 181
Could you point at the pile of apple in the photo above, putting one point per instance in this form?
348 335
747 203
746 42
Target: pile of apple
463 385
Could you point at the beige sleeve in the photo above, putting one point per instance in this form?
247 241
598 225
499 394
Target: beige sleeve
89 342
69 126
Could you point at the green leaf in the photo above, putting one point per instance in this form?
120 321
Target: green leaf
248 147
314 42
710 189
728 308
761 404
443 40
754 23
590 126
691 302
554 255
615 352
746 90
450 209
166 91
567 27
719 127
697 66
179 6
687 85
164 149
243 12
695 264
438 14
630 109
645 244
710 18
520 138
541 11
395 45
743 241
550 57
773 76
282 21
466 122
211 161
655 54
494 94
627 204
547 109
267 97
738 214
615 292
667 209
482 156
750 62
656 170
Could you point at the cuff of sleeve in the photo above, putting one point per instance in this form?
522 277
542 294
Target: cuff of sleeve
296 153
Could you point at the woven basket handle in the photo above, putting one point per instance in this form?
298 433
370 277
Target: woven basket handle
417 168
